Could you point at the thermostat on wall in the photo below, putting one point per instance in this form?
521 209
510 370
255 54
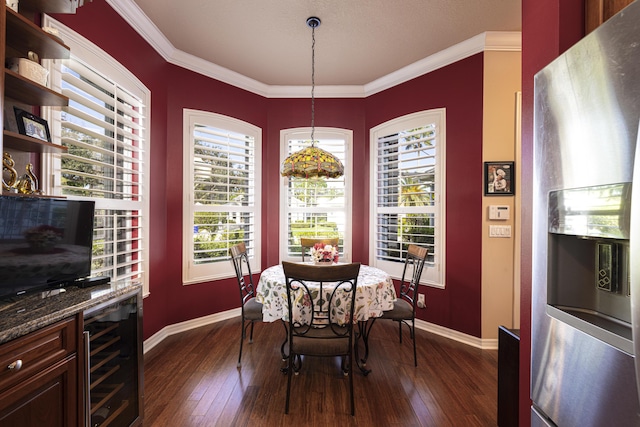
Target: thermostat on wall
499 212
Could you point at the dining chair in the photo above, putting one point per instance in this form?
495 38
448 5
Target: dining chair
404 308
308 243
250 308
313 294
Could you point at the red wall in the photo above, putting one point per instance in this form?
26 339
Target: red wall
292 113
457 87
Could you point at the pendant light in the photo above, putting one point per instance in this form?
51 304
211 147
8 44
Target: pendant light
312 161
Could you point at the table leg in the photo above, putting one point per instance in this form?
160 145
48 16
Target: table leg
283 353
284 343
364 327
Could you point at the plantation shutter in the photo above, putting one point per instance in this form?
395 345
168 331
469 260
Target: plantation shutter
407 187
317 207
220 172
405 197
104 130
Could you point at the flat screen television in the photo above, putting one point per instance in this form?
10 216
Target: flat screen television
44 243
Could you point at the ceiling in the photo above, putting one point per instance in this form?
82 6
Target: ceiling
358 41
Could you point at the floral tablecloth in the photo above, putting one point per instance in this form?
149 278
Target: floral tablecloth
375 293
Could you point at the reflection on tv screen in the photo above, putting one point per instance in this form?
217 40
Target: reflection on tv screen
43 242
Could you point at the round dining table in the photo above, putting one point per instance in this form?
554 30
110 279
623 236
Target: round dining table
375 293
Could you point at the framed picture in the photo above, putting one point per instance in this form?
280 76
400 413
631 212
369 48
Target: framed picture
499 179
32 125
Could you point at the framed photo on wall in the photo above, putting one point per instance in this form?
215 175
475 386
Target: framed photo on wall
32 125
499 179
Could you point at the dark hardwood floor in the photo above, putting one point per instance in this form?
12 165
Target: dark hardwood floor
191 379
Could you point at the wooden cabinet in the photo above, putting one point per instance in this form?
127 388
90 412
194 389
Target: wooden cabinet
21 37
39 381
598 11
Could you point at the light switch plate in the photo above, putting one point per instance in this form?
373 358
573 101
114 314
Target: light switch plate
499 231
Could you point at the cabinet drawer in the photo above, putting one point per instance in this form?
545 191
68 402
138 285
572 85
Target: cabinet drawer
36 351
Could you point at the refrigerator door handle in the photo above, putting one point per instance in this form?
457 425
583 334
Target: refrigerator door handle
634 254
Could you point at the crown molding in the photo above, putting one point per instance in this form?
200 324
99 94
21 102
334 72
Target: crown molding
488 41
492 40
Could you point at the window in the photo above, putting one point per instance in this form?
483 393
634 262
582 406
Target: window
105 130
316 207
222 158
407 192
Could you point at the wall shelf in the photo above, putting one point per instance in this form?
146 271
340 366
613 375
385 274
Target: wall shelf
50 6
24 36
21 142
30 92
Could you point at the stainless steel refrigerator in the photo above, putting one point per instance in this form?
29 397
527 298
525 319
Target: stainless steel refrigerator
586 255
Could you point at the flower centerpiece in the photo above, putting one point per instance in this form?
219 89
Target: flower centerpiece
324 254
43 238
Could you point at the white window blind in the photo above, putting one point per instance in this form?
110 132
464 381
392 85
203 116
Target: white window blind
104 130
407 160
317 207
222 158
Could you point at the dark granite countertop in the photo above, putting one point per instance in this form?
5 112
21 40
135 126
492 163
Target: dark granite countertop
25 314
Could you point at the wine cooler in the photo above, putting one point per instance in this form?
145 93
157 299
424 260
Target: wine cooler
113 363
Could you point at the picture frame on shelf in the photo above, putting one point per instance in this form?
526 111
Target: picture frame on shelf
10 123
32 125
499 178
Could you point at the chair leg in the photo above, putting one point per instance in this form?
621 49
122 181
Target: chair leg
413 336
241 342
350 368
289 373
251 332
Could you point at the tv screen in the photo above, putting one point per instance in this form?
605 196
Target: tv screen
44 243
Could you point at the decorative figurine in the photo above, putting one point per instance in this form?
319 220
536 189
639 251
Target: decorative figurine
34 178
8 165
25 185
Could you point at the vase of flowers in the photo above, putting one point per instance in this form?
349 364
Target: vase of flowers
324 254
43 238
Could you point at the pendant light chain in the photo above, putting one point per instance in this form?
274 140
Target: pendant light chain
313 83
312 161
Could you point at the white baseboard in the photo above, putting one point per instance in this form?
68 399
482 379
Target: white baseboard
484 344
176 328
155 339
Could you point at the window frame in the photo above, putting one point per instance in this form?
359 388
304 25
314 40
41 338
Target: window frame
302 133
198 273
83 50
434 271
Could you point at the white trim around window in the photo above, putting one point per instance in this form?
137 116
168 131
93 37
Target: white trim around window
222 158
105 128
407 203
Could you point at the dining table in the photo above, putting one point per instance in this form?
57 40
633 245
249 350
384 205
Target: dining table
375 293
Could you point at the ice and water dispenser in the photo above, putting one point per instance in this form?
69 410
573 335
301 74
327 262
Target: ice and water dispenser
588 261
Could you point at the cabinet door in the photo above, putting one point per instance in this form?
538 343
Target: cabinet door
49 398
598 11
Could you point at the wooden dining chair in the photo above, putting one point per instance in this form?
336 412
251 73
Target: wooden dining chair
404 308
250 308
312 329
308 243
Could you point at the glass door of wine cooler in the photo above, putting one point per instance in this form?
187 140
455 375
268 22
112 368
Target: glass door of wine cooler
113 349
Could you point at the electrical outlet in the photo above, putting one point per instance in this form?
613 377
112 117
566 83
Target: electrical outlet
421 301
